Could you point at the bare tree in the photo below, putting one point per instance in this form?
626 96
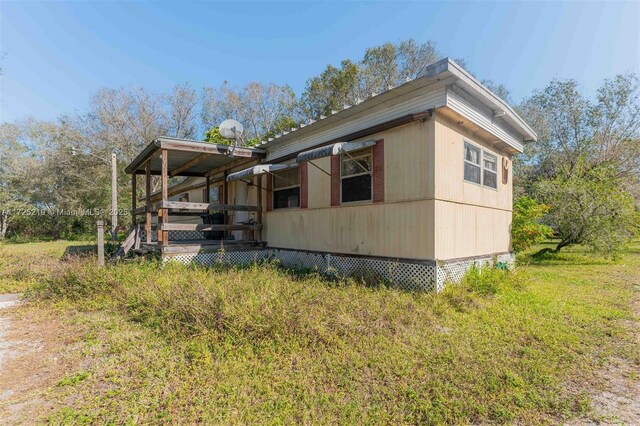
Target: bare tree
183 112
258 106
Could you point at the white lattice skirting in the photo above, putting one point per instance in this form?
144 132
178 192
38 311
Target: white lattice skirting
424 275
175 235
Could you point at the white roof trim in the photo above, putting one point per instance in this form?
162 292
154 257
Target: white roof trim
333 149
466 80
258 170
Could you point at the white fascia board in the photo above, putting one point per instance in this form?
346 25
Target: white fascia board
480 114
478 90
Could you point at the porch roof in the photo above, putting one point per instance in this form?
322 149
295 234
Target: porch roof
189 157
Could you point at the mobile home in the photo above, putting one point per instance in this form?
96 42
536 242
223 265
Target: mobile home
413 185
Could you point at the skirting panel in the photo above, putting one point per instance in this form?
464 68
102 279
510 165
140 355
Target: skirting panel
175 235
454 270
419 276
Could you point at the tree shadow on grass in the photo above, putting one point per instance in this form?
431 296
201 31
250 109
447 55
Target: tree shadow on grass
545 255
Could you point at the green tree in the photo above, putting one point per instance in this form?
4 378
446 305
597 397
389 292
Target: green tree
283 124
575 130
381 67
526 228
213 136
590 206
331 90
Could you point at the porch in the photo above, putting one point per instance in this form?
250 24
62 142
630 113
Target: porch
158 226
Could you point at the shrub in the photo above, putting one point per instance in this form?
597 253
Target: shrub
526 230
490 281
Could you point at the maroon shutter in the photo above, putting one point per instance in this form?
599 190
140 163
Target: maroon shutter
335 180
304 185
378 172
269 192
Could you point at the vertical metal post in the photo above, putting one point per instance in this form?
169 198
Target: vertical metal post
114 197
100 243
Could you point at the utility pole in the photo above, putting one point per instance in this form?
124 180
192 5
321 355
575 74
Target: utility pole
114 197
114 188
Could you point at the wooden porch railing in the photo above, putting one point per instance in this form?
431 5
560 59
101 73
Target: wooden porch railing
195 210
165 208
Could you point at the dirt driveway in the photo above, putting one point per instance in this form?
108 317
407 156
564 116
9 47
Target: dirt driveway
35 354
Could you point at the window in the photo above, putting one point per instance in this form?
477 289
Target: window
480 167
471 163
213 195
490 170
356 175
286 188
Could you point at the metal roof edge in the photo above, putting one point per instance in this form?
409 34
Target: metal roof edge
144 154
479 89
440 70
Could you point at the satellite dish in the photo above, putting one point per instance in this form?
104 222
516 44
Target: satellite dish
231 129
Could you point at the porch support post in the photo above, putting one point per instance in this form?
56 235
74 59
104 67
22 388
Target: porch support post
134 198
225 197
257 233
147 196
206 195
165 196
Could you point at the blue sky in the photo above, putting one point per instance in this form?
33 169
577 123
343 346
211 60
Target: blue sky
57 54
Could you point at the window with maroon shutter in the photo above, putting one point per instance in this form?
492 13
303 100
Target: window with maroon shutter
286 188
356 176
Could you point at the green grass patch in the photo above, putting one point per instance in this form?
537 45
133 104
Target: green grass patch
23 264
174 343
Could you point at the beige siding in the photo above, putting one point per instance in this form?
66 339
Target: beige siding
319 184
429 211
400 227
470 219
450 184
398 230
408 162
463 230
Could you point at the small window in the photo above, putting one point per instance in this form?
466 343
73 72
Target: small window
213 195
286 188
471 163
355 175
483 172
490 171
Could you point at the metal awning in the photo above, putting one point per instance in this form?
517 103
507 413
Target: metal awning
258 170
333 149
